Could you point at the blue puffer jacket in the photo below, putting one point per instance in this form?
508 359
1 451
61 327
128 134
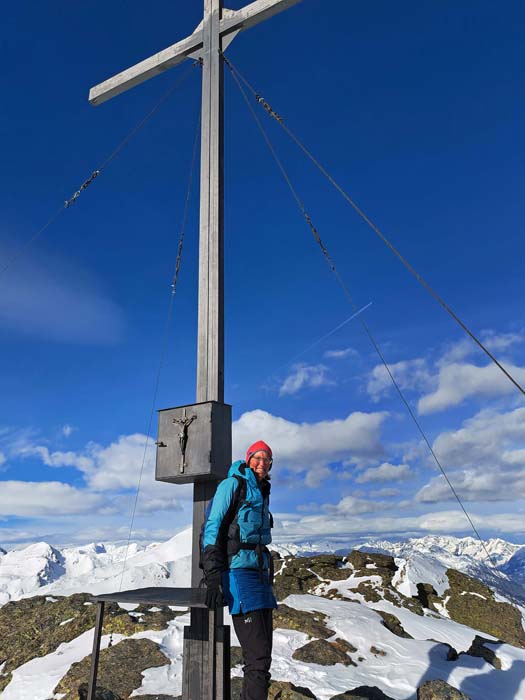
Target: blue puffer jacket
246 587
252 524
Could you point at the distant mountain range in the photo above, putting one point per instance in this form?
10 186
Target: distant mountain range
97 567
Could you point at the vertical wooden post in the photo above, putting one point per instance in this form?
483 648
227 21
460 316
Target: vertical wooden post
96 652
200 653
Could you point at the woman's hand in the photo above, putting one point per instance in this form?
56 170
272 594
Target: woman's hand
214 596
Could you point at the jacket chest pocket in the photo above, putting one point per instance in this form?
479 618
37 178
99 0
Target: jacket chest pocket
253 516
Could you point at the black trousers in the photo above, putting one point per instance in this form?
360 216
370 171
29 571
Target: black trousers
255 632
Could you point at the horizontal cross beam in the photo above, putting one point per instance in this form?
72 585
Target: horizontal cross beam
231 23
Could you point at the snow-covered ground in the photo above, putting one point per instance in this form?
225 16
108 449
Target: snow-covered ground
406 663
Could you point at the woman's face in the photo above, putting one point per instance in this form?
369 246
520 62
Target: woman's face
260 463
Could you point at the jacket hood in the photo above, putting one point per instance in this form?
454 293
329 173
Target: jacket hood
240 469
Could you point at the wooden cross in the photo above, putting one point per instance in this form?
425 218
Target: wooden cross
202 677
216 31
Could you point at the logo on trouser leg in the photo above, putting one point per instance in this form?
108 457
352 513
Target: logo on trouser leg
247 619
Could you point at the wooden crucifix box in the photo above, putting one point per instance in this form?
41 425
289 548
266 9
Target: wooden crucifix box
194 442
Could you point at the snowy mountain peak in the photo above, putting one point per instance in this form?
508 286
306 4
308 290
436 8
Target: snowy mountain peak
499 550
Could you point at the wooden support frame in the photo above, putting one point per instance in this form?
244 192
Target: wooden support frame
233 21
206 641
96 651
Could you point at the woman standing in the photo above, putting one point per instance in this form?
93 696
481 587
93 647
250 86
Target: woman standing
237 564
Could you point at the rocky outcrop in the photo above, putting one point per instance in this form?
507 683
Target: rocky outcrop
326 653
427 596
281 690
120 669
382 565
34 627
439 690
236 658
371 564
100 693
477 648
304 574
392 623
311 623
473 604
364 692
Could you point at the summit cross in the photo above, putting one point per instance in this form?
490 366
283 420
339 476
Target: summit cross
206 668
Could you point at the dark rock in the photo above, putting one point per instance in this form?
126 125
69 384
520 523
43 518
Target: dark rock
236 656
377 652
392 623
473 604
100 693
324 653
281 690
159 697
369 592
439 690
120 669
427 596
477 648
402 601
311 623
371 564
382 565
236 688
451 653
364 692
304 574
344 646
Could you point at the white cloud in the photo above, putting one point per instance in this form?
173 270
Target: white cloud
55 459
340 354
308 446
484 459
348 524
351 505
451 379
305 376
116 468
471 485
316 476
466 347
47 498
385 493
409 375
67 430
502 341
61 302
3 458
484 441
385 472
457 382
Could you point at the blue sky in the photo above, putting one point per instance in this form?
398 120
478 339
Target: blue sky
417 109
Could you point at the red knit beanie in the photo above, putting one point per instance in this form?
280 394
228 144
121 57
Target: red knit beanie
256 447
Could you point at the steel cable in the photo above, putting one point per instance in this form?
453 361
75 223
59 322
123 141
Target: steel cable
72 200
279 119
164 343
363 323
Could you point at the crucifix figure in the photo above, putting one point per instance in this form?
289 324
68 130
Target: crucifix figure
184 423
203 679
